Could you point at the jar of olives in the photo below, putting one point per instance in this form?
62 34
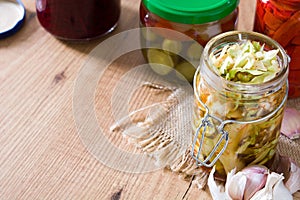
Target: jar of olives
199 20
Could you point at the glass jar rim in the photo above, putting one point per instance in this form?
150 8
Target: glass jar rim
193 11
220 83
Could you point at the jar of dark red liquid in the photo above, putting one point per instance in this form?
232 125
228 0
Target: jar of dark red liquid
280 19
198 19
77 19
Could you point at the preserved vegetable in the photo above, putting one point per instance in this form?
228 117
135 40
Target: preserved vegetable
240 90
280 19
198 29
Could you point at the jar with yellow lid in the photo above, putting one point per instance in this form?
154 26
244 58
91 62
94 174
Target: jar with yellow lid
199 20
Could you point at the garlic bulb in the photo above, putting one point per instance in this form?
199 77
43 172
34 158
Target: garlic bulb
252 183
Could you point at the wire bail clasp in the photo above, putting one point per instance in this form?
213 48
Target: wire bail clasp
224 137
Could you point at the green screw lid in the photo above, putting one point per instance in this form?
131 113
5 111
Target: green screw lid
191 11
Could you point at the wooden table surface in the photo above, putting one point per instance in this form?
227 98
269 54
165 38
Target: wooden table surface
42 155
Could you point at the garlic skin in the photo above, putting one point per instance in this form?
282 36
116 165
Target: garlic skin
216 190
293 183
281 192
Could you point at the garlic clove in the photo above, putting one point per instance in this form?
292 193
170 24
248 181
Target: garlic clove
269 192
235 186
216 190
280 192
228 179
291 123
293 183
256 179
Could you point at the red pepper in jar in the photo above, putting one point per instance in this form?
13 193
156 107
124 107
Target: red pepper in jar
280 19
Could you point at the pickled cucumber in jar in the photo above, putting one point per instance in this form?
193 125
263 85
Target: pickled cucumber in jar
182 28
160 61
167 56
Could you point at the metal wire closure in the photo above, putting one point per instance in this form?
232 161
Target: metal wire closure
206 122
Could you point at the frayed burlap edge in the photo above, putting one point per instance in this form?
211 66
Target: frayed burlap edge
150 137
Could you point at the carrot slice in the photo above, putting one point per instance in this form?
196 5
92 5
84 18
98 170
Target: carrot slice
296 40
269 31
272 21
285 5
295 58
288 30
283 14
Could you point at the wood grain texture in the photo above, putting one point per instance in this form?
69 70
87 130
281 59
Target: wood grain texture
42 156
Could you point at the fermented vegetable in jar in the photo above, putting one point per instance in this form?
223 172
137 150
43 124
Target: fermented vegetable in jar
199 20
240 93
280 20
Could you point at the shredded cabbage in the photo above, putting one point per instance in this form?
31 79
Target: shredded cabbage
246 62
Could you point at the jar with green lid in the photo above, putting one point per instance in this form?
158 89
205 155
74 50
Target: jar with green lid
198 20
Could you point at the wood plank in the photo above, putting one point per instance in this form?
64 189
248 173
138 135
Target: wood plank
42 155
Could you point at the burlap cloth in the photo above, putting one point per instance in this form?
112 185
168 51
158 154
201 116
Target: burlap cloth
167 129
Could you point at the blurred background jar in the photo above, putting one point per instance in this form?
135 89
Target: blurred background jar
77 19
280 19
200 20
